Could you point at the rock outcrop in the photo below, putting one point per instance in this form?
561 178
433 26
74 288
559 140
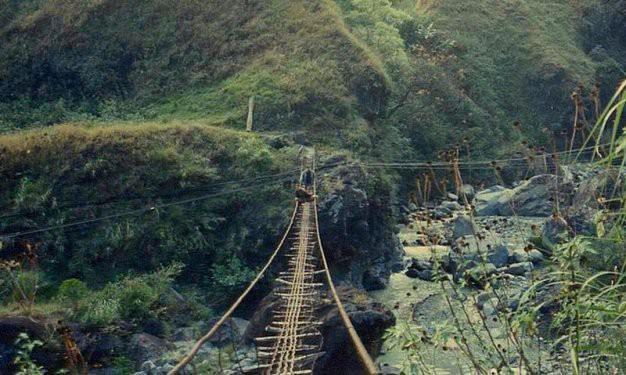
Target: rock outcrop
49 356
534 197
358 229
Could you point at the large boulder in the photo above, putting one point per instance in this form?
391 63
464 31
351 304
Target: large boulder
463 226
370 319
144 347
98 347
518 256
518 269
426 275
234 328
450 206
376 277
492 201
360 238
534 197
50 355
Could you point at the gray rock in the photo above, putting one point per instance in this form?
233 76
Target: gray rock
412 273
183 334
490 307
420 264
240 325
139 373
492 201
482 298
514 304
531 198
480 273
440 213
148 366
449 262
518 256
376 277
518 269
476 249
463 226
450 206
226 332
356 230
166 368
426 275
144 347
453 197
555 232
536 256
498 255
397 266
412 207
370 318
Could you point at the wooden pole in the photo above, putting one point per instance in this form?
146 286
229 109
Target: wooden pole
250 114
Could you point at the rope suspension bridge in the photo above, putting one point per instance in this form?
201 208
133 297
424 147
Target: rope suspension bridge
293 342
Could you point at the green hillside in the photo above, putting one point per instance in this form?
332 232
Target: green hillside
424 73
128 183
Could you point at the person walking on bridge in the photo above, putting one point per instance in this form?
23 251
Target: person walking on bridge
306 178
304 191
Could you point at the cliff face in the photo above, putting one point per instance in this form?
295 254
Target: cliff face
357 226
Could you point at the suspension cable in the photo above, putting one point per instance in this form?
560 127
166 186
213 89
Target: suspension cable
83 205
477 162
133 212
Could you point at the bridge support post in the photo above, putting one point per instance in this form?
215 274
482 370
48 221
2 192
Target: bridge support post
250 114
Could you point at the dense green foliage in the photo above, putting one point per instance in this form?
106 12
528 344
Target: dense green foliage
425 74
131 299
67 174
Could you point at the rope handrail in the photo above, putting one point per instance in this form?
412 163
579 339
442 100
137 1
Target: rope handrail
364 356
185 361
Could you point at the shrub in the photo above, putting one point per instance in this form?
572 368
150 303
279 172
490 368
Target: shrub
72 291
95 311
136 299
229 276
23 360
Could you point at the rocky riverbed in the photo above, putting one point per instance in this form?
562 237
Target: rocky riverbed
468 262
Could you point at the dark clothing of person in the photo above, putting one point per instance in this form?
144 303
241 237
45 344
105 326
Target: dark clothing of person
306 178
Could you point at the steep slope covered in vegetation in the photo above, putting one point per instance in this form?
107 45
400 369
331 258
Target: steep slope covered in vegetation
189 59
426 72
68 174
